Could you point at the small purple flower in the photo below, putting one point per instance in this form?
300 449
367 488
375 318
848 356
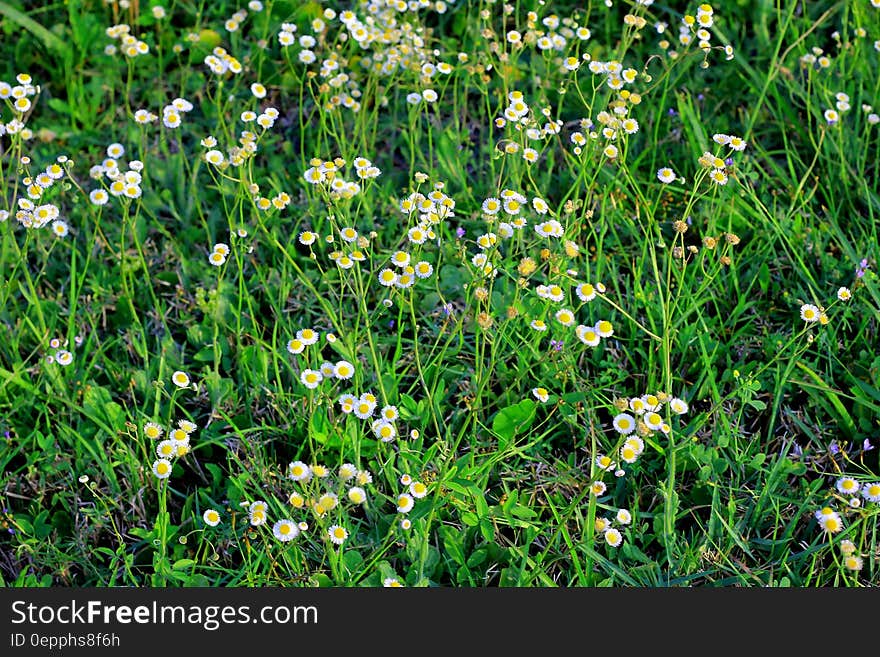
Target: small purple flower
672 112
700 96
556 345
862 268
391 323
867 446
447 309
459 232
833 447
798 450
729 161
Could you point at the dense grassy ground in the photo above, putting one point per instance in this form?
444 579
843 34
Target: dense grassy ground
593 302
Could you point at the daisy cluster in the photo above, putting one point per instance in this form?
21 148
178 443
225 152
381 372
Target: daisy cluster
353 248
406 499
425 213
816 59
20 98
837 103
312 378
234 23
718 167
219 253
615 124
590 335
39 205
506 215
643 417
833 115
353 245
364 406
130 45
387 44
172 114
117 180
329 498
611 528
810 313
60 351
247 147
332 500
220 62
382 420
531 131
328 175
176 445
695 28
551 35
284 530
861 499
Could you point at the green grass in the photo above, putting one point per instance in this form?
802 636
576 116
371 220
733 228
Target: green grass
702 289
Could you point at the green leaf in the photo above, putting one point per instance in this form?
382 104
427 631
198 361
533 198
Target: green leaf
204 355
470 519
353 560
513 419
42 528
25 525
49 40
197 581
59 106
142 533
45 441
216 474
524 512
480 502
408 407
322 430
319 426
99 404
764 277
630 551
219 388
452 543
477 558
